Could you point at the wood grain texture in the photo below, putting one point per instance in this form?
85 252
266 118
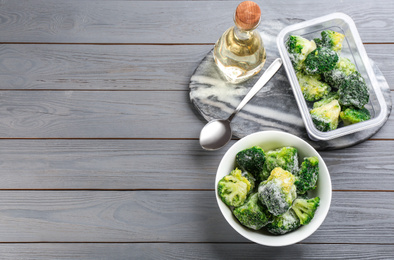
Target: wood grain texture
181 251
106 114
162 164
167 21
120 67
171 216
99 67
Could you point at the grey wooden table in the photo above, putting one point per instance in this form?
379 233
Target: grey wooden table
99 153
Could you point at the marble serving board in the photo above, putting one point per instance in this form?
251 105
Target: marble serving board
274 107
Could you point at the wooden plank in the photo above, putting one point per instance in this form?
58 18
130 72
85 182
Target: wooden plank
103 251
171 216
99 67
75 21
92 114
105 114
162 164
120 67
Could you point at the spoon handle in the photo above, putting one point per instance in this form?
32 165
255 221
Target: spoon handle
267 75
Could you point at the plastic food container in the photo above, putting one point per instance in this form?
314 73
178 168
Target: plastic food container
353 49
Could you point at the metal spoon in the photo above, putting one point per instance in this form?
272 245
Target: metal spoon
216 133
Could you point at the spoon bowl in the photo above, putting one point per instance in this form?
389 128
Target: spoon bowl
217 133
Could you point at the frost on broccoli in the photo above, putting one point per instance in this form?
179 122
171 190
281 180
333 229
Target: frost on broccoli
353 91
322 59
312 87
342 69
332 40
250 178
285 157
278 192
307 176
353 115
284 223
251 160
327 99
305 209
234 188
253 214
326 117
298 48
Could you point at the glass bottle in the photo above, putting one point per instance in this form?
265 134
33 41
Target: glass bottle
239 53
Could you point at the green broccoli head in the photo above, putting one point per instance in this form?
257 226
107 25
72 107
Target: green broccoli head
307 176
298 48
278 192
332 40
342 69
326 117
354 115
353 91
253 214
320 60
285 157
284 223
326 99
234 188
312 87
305 209
251 160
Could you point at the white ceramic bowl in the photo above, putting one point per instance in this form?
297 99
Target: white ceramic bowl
269 140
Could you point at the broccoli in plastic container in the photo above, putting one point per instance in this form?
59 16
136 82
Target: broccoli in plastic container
327 99
312 87
284 223
251 160
306 178
354 115
331 39
326 117
320 60
278 192
353 91
337 75
234 188
298 48
253 214
305 209
285 157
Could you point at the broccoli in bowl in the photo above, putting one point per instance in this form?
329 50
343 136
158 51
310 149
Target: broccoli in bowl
266 204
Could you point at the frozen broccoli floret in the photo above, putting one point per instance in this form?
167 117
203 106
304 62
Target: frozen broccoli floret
253 214
251 160
298 48
327 99
285 157
278 192
284 224
326 117
342 69
234 188
322 59
305 209
332 40
353 115
307 176
312 87
353 91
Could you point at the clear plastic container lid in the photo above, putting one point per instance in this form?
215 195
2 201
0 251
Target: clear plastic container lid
353 49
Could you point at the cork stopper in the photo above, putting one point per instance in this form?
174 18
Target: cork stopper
247 15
